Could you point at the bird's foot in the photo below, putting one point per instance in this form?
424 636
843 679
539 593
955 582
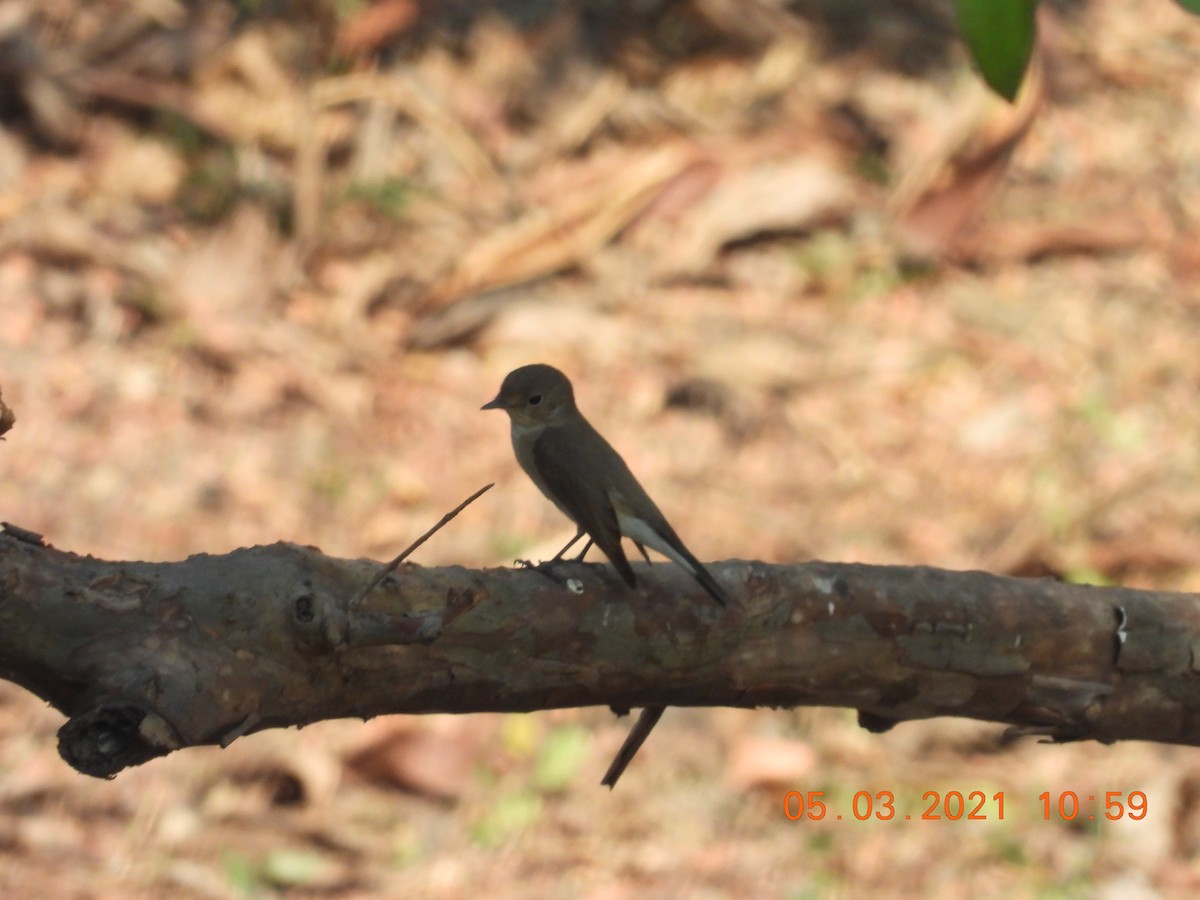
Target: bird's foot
545 568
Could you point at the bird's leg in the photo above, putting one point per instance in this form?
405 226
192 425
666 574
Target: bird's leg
546 567
571 543
645 555
583 552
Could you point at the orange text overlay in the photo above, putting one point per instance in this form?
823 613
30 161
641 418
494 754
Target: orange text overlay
971 806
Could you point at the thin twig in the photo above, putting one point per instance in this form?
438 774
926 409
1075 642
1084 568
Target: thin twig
637 736
390 567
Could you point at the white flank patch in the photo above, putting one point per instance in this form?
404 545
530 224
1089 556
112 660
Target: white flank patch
639 531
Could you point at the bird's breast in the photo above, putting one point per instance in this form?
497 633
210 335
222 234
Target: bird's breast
523 439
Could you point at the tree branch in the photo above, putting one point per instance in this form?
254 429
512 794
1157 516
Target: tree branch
408 551
147 658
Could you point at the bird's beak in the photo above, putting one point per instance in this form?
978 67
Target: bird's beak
497 403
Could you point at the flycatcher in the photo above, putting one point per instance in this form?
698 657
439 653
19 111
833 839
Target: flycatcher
581 474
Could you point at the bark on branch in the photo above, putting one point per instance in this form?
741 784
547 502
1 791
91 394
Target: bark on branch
147 658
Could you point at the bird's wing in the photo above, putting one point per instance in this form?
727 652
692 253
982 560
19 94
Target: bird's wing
585 500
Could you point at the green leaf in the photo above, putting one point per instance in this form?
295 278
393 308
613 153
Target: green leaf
520 735
296 868
240 872
1192 6
1000 34
562 755
507 816
1087 575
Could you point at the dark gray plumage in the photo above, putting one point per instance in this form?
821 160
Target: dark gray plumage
580 472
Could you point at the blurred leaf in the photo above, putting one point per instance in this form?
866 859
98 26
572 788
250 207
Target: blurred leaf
1192 6
407 846
760 761
505 817
210 189
389 196
1087 575
561 757
435 759
1000 37
1121 431
1011 851
184 134
295 868
240 872
519 734
331 480
940 198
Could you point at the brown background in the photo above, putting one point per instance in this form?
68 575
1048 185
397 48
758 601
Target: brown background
257 275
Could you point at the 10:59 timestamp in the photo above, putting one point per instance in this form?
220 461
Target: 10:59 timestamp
971 806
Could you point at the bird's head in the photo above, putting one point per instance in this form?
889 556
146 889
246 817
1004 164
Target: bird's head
535 395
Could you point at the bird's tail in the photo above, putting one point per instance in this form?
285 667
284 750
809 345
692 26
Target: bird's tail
662 537
703 577
709 583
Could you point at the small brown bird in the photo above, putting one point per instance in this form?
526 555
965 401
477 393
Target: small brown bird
581 474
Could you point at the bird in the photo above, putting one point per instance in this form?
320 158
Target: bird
580 473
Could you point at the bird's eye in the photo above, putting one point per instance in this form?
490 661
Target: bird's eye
535 399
